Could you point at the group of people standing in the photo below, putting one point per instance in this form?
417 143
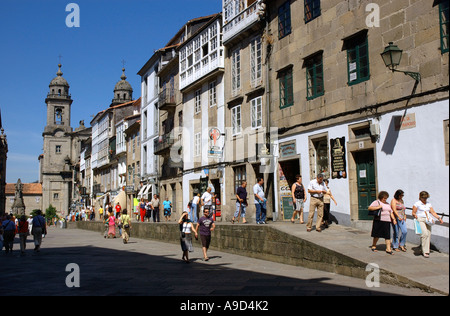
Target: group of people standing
148 209
10 226
320 201
259 200
393 214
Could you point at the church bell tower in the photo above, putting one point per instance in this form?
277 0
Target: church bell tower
56 165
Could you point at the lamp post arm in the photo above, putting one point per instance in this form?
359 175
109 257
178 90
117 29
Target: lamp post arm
415 75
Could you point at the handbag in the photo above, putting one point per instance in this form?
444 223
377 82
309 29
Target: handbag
429 219
376 213
417 227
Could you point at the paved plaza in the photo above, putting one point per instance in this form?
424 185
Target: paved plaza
142 267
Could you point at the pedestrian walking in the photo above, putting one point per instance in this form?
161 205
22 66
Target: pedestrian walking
196 207
30 224
106 225
398 208
142 209
39 229
9 232
186 229
298 198
112 225
100 213
167 205
327 197
260 201
22 229
148 210
189 210
317 189
424 213
381 226
117 209
241 203
126 222
155 208
204 227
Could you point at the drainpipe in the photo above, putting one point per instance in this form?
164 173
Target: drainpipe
268 91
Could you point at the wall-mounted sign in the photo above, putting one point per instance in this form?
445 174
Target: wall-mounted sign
338 161
405 122
287 150
215 148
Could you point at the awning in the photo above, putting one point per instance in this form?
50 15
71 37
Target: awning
142 190
147 189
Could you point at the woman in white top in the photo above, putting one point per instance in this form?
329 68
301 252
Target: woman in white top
186 229
421 211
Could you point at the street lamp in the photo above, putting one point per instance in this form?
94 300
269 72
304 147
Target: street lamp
392 56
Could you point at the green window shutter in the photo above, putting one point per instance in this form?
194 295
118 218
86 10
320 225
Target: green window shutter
444 25
314 77
286 89
284 19
312 10
358 62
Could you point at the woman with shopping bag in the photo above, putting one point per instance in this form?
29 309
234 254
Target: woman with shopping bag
424 213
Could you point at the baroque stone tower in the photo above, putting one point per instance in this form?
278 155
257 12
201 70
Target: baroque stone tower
56 171
123 92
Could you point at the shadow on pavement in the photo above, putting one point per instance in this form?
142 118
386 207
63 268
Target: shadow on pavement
105 272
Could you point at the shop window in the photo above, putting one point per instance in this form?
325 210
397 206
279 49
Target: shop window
319 159
240 176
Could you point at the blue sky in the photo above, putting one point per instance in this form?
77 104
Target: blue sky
33 33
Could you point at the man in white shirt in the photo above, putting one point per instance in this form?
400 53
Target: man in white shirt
317 189
207 199
260 202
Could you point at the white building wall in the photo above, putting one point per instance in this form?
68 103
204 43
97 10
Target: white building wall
412 160
149 126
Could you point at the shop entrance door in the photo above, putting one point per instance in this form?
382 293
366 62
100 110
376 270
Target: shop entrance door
287 171
365 171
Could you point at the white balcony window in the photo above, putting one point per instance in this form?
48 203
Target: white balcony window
235 72
255 61
256 112
236 120
198 101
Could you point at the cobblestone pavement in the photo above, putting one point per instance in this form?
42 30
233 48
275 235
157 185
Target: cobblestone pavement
143 267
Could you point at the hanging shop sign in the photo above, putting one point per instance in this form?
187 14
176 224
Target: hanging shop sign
338 159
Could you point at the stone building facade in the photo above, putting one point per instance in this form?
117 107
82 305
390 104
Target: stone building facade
246 91
341 112
330 104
